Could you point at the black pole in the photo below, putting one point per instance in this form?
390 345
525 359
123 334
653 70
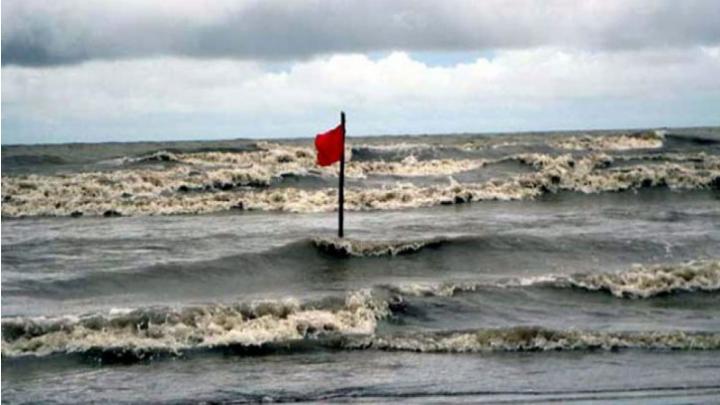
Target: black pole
341 193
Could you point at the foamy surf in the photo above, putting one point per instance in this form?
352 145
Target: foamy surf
641 281
345 247
522 339
179 191
270 325
637 140
139 341
546 284
146 331
644 281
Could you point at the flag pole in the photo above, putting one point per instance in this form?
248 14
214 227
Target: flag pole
341 193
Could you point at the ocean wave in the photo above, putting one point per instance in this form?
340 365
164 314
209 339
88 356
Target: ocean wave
143 332
397 147
32 160
153 157
365 248
215 181
641 281
594 174
699 137
698 157
521 339
351 324
300 256
637 140
411 167
352 321
191 184
652 280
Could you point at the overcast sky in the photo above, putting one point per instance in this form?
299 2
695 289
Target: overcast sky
84 71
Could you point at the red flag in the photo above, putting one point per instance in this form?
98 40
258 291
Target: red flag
330 145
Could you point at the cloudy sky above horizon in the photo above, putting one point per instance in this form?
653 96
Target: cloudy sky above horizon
83 71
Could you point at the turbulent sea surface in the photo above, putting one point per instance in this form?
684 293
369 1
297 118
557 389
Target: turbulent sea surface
476 268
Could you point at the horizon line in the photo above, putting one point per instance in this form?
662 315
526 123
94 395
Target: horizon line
539 131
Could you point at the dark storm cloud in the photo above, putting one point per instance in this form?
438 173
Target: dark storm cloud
38 32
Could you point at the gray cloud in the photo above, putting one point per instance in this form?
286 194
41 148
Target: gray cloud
38 33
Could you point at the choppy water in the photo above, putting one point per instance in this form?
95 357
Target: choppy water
535 267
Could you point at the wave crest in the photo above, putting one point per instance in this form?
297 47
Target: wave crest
649 281
220 181
641 281
360 248
353 320
520 339
637 140
168 330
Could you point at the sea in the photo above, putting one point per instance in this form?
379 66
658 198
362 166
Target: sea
575 266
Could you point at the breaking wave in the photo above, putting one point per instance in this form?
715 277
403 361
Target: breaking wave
351 322
520 339
204 182
637 140
144 332
641 281
649 281
400 146
139 335
157 156
361 248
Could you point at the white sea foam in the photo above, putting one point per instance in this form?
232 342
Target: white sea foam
362 248
169 330
213 181
146 332
641 281
396 147
192 184
537 339
651 280
640 140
